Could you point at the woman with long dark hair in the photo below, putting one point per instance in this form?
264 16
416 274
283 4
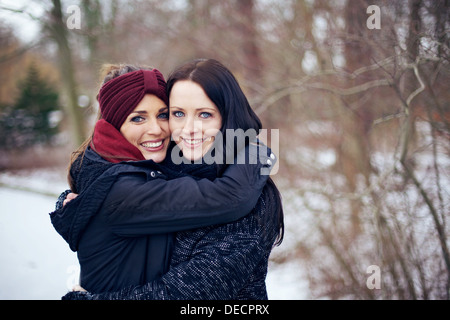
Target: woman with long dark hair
227 261
130 203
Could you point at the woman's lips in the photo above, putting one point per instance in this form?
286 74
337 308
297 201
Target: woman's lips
153 146
194 143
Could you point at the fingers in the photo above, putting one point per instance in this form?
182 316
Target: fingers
78 288
72 196
69 198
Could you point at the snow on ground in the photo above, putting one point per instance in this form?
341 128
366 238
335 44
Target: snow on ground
36 263
34 259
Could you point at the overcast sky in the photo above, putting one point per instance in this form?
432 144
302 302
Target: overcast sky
25 27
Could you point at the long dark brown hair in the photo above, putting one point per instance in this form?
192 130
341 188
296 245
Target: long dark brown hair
222 88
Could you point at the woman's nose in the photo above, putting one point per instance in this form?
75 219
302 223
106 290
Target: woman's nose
153 127
192 126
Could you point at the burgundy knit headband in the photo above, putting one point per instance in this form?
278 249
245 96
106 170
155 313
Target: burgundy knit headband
119 96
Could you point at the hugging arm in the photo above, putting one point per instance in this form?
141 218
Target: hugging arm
218 270
137 207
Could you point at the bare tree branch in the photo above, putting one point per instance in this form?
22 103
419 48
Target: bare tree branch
21 11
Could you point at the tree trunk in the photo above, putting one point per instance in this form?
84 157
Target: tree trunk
58 31
251 57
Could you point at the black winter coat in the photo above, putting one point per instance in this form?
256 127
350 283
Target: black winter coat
123 220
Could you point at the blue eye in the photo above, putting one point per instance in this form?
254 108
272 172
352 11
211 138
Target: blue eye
205 115
164 115
137 119
177 114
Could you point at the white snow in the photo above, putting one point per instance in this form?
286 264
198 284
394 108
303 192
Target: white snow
35 261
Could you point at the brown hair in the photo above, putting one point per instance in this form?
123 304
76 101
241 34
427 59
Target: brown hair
221 86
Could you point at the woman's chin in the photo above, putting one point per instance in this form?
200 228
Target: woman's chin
156 159
155 156
192 154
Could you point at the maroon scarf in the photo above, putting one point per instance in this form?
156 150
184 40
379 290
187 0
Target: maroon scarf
111 145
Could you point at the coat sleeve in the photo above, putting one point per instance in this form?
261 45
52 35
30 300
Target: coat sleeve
137 207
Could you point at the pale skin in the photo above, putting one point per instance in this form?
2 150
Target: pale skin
147 128
194 121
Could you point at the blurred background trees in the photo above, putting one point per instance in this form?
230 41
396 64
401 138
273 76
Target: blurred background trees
363 114
32 119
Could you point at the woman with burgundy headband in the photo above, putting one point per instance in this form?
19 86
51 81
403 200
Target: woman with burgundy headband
218 262
122 222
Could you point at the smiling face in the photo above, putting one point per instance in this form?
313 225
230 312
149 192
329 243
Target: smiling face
147 128
194 119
